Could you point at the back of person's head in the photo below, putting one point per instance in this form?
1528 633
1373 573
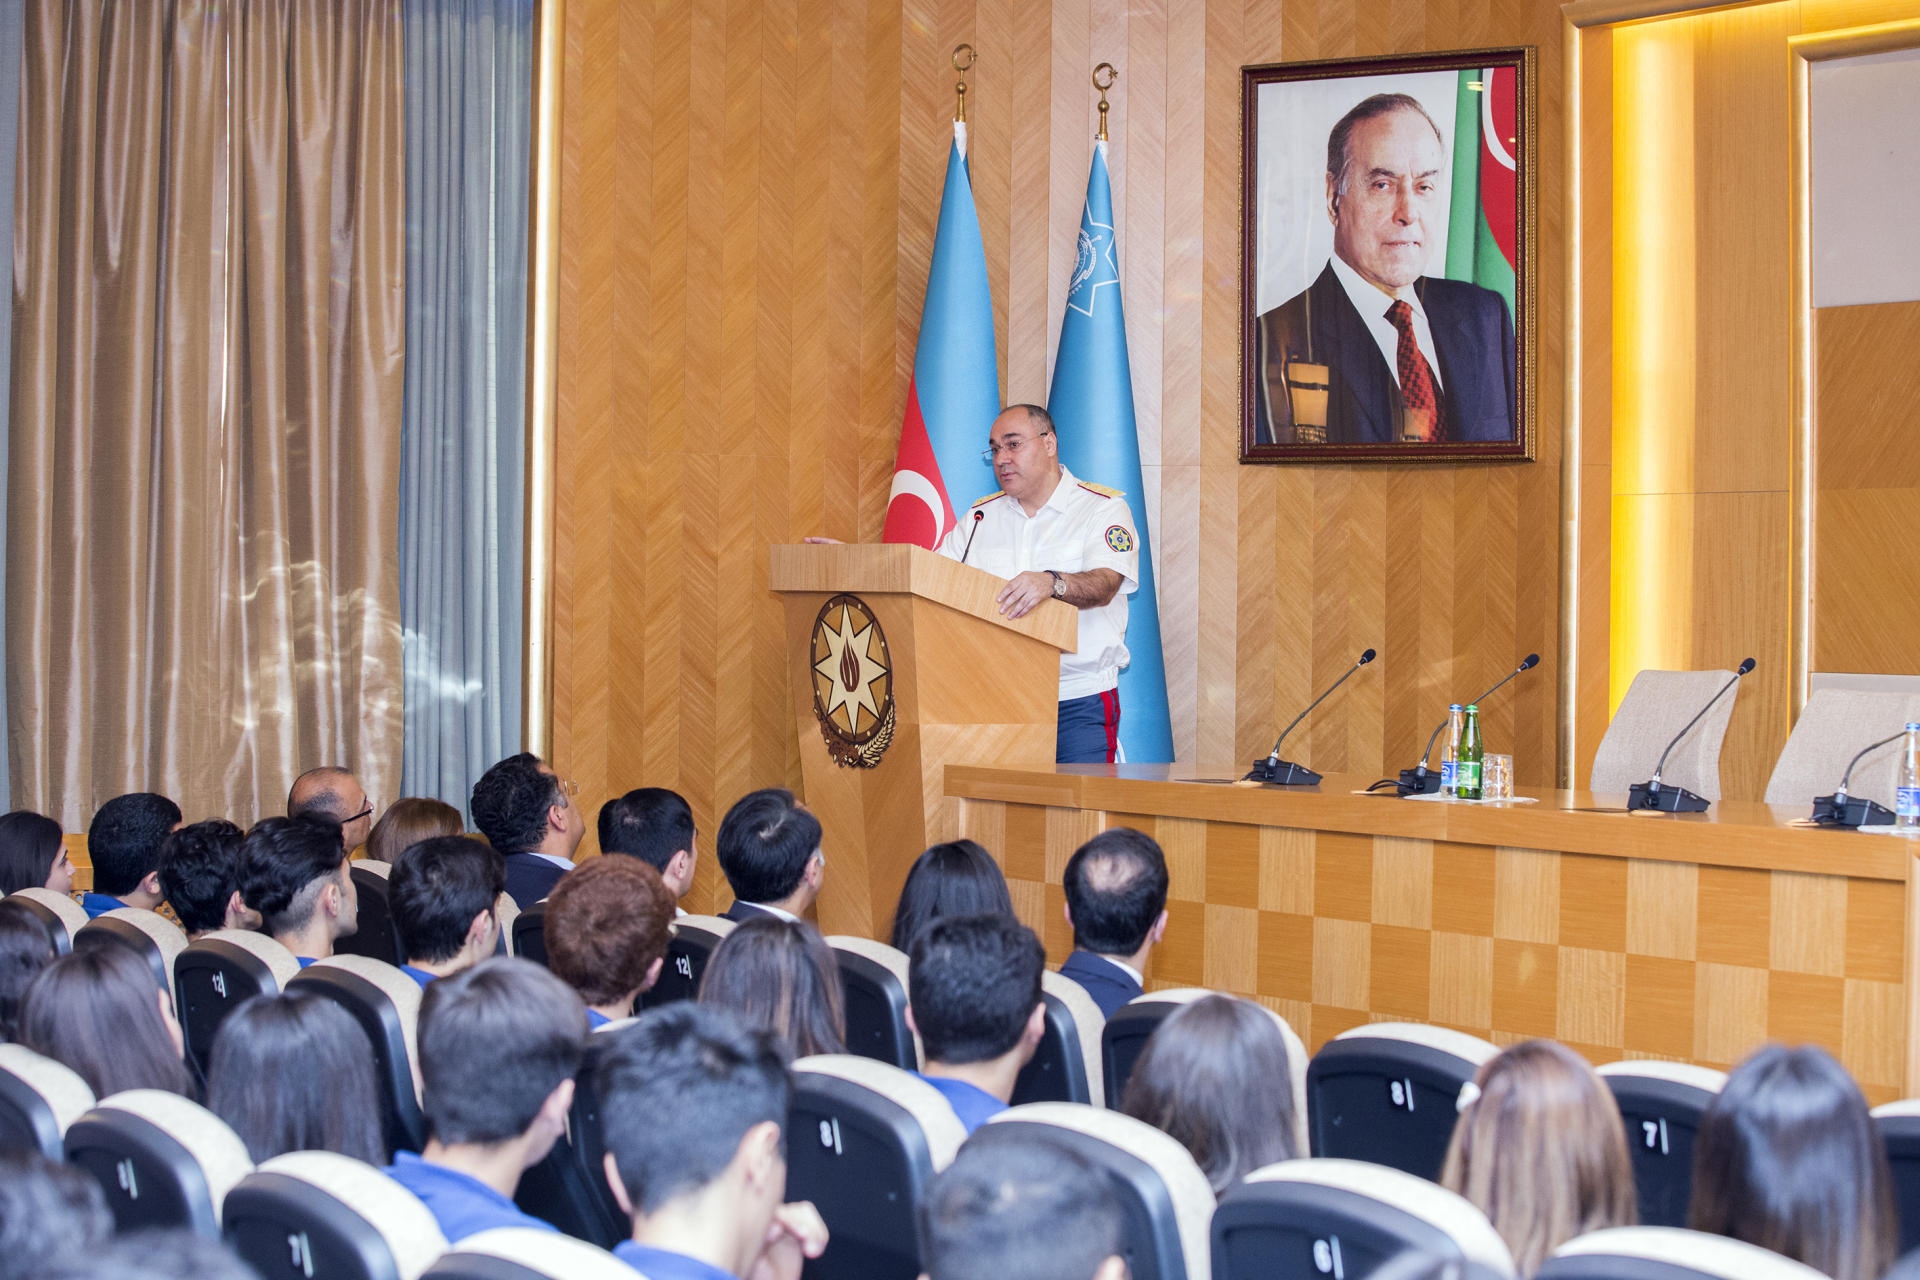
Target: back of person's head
608 923
438 888
99 1011
765 843
648 823
495 1041
679 1090
29 846
1026 1209
1116 887
973 983
1787 1158
285 863
958 878
780 976
152 1255
25 950
511 800
47 1210
1191 1083
407 822
199 872
325 792
1542 1151
294 1072
124 840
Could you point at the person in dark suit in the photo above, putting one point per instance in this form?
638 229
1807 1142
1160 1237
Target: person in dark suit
528 814
769 850
1399 355
1116 887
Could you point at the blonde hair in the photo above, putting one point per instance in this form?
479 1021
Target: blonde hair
1542 1151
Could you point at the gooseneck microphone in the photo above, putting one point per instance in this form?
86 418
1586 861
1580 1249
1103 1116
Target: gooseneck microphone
1650 794
1285 773
967 550
1843 810
1419 780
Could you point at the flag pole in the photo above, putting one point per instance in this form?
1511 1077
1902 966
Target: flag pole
960 88
1112 76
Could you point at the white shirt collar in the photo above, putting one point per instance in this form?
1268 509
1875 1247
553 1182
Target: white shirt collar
770 909
1138 979
554 858
1369 299
1057 500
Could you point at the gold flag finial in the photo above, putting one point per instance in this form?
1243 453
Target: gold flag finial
960 89
1112 76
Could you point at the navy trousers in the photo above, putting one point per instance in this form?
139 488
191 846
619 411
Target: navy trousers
1089 729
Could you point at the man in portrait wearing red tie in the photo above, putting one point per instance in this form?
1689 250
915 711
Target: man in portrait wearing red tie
1407 356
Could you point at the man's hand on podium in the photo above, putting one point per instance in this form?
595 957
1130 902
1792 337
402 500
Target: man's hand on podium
1024 593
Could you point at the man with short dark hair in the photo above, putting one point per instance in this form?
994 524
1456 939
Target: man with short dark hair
499 1047
1026 1208
333 793
200 876
124 842
293 871
526 811
694 1106
654 825
444 894
769 850
973 995
1116 887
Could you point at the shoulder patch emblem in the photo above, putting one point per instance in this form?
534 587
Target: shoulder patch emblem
1119 537
996 494
1101 489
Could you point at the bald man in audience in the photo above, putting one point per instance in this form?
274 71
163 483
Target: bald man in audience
1116 887
333 793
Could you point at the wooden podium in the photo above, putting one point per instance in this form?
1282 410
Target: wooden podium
901 665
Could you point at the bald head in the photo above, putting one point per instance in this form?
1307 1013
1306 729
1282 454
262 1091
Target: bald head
333 793
1116 888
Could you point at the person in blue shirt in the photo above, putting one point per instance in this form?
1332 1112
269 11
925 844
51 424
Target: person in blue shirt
500 1044
694 1105
444 894
293 871
973 994
1025 1208
607 929
123 843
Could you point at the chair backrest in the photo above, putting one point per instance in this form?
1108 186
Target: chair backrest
1389 1093
313 1214
1661 1104
874 977
569 1187
1898 1124
506 911
162 1160
863 1141
1667 1253
386 1004
58 914
1345 1218
1657 706
377 938
694 940
216 974
530 933
1066 1065
157 940
1834 726
39 1098
524 1253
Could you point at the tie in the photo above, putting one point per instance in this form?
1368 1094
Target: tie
1416 379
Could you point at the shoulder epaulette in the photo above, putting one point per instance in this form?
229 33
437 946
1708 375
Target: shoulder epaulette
997 493
1101 489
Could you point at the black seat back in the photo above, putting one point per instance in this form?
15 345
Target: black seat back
569 1187
156 940
386 1004
873 978
695 938
377 938
530 933
1661 1104
1066 1065
1124 1038
314 1215
163 1162
1388 1093
1898 1124
216 974
39 1098
60 916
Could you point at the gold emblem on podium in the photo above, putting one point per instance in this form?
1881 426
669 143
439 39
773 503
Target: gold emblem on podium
852 682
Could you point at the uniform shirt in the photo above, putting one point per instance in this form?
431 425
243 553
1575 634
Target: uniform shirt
98 904
1082 526
461 1204
972 1104
420 976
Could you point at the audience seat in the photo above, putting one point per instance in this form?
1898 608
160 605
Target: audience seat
874 977
316 1214
1165 1198
1899 1126
1345 1218
529 933
1066 1066
569 1187
1661 1104
219 971
506 911
1134 1022
148 934
1667 1253
39 1099
694 940
1389 1093
162 1160
377 938
863 1141
58 914
386 1004
522 1253
1657 706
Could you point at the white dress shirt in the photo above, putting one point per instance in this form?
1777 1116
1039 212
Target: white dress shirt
1372 304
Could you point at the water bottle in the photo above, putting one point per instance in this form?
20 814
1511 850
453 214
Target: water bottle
1450 758
1906 804
1466 772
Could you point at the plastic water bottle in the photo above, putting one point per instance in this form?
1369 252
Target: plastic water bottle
1450 758
1906 805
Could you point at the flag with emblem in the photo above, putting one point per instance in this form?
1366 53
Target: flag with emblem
1091 402
954 394
1483 218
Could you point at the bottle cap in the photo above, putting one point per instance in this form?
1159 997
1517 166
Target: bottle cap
1474 707
1911 726
1455 707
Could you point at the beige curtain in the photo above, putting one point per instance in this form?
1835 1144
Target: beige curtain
203 591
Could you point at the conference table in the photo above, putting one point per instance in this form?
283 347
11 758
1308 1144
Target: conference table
1688 937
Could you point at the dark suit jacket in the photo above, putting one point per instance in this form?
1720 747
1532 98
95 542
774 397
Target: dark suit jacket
741 912
1109 987
530 878
1472 333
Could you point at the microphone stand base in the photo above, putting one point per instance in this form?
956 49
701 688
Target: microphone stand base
1284 773
1853 811
1643 795
1415 783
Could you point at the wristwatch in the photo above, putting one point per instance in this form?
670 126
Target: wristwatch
1059 585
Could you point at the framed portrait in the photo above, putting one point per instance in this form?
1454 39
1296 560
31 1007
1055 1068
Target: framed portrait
1387 242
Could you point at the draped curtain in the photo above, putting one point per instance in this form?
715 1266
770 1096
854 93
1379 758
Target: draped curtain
209 277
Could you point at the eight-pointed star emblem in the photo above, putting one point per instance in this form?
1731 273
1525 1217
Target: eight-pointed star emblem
850 671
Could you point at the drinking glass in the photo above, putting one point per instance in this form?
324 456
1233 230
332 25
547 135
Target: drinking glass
1497 778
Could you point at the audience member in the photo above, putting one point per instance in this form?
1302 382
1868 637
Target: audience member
333 793
32 854
769 850
654 825
607 928
526 811
499 1046
444 893
780 976
1116 887
178 1254
1787 1158
293 871
1541 1151
48 1211
407 822
1031 1209
25 950
294 1072
1195 1082
958 878
123 843
100 1012
973 994
200 876
694 1107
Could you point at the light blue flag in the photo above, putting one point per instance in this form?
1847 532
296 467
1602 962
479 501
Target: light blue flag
1091 401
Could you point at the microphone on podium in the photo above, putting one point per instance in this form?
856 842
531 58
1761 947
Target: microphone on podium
967 550
1285 773
1650 794
1843 810
1421 781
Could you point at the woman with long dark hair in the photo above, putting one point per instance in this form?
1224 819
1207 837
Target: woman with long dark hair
294 1072
25 950
780 976
958 878
32 855
100 1012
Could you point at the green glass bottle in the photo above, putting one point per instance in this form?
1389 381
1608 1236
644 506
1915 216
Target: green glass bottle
1466 773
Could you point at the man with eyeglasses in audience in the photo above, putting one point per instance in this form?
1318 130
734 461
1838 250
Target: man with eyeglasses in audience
530 814
333 793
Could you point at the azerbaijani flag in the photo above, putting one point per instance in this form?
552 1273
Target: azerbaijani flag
954 395
1482 223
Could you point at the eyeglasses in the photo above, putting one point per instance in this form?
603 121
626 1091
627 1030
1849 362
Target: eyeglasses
364 813
995 449
567 788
